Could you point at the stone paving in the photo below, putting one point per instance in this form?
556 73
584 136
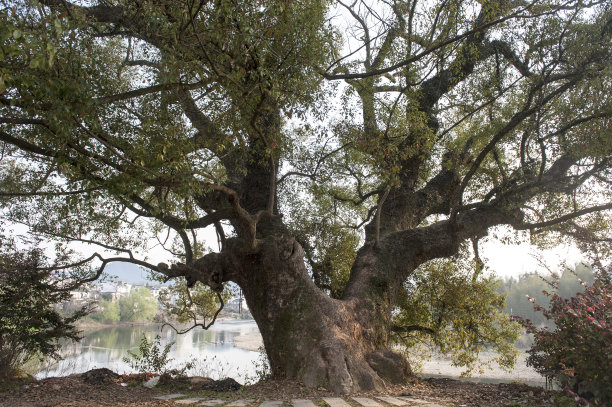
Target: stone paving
393 401
335 402
216 402
378 401
366 402
192 400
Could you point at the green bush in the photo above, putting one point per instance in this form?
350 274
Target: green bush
152 358
30 324
452 307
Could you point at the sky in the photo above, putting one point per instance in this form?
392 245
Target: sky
511 259
503 260
516 259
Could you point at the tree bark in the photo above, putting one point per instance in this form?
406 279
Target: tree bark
341 345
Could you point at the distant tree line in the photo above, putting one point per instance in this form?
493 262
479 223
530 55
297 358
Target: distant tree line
534 285
137 306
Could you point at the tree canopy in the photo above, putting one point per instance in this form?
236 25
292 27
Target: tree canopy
330 145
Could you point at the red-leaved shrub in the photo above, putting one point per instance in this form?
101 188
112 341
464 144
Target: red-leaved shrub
578 351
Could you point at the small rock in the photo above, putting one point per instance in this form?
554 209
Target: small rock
152 382
240 403
212 403
192 400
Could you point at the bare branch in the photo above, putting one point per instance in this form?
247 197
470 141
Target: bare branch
100 270
516 119
148 90
142 62
564 218
47 193
203 325
453 39
25 145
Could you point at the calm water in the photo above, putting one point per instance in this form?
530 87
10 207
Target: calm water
213 350
217 357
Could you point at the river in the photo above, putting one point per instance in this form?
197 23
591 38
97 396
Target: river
217 356
213 350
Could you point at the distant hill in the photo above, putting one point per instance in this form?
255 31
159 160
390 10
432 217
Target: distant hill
129 273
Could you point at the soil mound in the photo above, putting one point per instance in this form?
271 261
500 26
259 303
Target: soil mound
99 376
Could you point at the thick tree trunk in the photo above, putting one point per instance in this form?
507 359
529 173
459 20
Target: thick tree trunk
309 336
341 345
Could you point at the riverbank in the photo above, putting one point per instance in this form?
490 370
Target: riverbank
75 392
439 366
89 324
249 341
94 325
106 347
442 367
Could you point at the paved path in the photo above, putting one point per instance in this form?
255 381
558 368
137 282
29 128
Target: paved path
378 401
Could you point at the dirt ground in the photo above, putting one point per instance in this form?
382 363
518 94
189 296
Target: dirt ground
73 392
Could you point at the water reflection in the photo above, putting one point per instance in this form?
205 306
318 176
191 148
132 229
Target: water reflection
212 349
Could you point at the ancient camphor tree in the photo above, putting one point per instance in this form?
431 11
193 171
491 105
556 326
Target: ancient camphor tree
335 148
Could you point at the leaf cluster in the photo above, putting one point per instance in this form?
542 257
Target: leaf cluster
191 305
450 306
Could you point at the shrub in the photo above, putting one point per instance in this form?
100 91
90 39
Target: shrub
150 358
578 352
30 325
262 368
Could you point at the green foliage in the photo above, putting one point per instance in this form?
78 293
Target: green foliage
578 351
138 306
331 254
30 324
449 305
196 304
564 401
107 312
150 358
